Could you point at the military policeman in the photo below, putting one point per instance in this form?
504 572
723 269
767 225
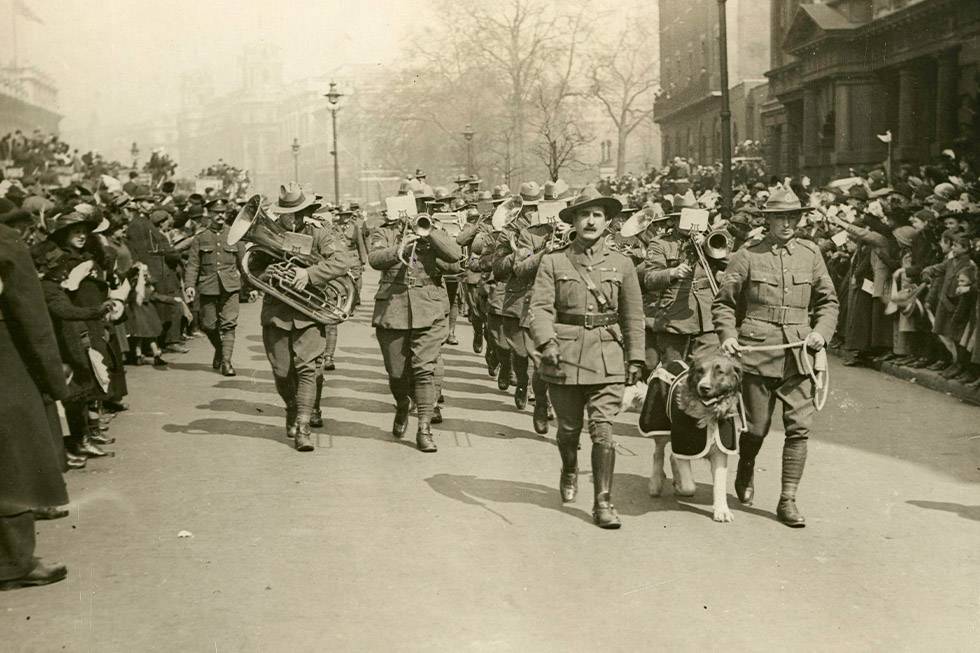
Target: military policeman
410 315
677 294
586 320
293 342
212 275
788 297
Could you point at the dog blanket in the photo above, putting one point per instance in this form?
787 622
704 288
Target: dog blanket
663 415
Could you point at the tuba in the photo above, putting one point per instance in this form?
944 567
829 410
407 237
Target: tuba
287 251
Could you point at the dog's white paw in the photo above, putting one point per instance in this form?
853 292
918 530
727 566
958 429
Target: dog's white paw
723 514
655 486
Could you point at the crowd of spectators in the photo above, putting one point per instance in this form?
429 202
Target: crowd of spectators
903 252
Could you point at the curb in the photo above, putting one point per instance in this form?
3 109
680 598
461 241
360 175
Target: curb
924 378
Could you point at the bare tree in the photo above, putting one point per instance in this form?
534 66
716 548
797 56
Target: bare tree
625 75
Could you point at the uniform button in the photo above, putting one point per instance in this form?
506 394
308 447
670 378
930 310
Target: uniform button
591 307
785 289
589 268
785 270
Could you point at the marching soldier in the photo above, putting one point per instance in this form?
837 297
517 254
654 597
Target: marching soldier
516 289
586 320
352 238
788 296
211 275
293 342
473 239
410 316
678 295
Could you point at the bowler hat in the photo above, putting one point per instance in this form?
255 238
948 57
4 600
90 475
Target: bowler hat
590 197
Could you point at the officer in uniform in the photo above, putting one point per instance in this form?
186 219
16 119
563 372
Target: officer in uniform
293 342
211 275
517 289
788 296
410 315
586 320
677 295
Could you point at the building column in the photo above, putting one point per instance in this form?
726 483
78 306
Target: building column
810 128
947 82
906 114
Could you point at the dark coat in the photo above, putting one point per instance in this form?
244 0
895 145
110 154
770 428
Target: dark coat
212 264
30 474
70 324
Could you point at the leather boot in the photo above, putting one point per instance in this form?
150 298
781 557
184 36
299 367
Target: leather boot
749 446
436 415
520 397
73 461
227 369
423 439
568 450
303 441
603 462
503 373
95 436
400 425
291 426
794 459
316 418
477 337
79 445
540 419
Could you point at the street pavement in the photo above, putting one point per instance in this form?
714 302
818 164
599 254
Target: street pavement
368 544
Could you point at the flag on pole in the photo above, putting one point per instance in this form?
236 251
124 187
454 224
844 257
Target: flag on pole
23 10
886 137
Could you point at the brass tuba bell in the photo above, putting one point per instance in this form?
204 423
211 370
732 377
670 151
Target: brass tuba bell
283 252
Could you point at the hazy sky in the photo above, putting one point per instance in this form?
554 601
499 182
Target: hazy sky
123 59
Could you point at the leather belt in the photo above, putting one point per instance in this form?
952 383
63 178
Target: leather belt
778 314
701 284
587 320
413 282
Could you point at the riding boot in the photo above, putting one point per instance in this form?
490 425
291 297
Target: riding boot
504 371
227 349
215 339
749 446
568 450
303 436
794 459
541 404
477 336
330 336
316 417
425 396
603 462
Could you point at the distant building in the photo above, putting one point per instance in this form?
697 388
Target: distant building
688 110
843 71
28 101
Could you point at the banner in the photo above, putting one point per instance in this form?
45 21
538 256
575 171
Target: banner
400 206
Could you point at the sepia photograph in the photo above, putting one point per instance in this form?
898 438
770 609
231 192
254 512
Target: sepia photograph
489 325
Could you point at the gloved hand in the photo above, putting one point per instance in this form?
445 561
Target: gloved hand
814 341
550 355
635 372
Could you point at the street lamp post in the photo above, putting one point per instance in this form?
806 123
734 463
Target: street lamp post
135 151
726 114
295 148
333 97
468 135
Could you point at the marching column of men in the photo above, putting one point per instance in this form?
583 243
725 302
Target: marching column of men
573 317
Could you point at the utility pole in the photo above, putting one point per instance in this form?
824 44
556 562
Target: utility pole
726 115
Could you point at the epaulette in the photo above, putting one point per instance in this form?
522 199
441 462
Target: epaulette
810 245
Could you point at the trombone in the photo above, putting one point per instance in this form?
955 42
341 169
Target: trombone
714 245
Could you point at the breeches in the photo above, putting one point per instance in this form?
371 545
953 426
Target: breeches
411 357
293 355
517 338
571 402
219 312
475 302
796 394
495 332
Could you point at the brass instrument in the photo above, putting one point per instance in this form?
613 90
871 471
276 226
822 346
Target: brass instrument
331 304
713 246
507 213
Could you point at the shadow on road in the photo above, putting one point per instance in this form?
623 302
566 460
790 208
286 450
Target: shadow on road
966 512
491 430
476 491
277 433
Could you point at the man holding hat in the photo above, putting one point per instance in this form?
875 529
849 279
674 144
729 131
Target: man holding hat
293 342
787 294
586 321
211 274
